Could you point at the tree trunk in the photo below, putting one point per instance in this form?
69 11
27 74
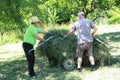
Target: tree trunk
2 34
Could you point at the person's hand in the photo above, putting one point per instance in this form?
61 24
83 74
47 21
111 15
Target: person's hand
43 40
93 34
64 37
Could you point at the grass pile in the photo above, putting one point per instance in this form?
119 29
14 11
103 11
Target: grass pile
59 49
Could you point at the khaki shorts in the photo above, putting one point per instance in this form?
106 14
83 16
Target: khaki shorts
84 48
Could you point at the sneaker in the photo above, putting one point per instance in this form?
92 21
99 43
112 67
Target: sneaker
79 69
93 68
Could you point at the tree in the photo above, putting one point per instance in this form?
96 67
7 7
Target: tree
117 3
10 11
16 12
92 8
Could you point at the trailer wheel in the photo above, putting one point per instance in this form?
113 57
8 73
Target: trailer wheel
68 64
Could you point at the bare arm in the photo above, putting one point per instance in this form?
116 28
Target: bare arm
44 32
68 34
94 31
38 37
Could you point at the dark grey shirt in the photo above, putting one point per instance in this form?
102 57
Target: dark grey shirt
83 30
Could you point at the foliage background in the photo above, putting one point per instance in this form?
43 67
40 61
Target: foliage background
14 19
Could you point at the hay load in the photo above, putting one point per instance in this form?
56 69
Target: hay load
60 51
101 51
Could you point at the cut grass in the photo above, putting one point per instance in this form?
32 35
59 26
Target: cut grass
13 64
14 67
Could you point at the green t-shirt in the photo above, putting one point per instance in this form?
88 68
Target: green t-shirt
29 34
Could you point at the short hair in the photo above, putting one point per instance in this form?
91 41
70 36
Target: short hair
81 14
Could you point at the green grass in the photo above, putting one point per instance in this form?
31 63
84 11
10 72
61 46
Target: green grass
13 64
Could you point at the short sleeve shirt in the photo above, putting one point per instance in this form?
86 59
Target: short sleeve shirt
29 34
83 30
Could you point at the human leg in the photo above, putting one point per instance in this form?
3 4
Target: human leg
79 53
79 62
90 55
30 58
31 63
91 59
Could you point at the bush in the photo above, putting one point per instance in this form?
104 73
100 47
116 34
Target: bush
115 20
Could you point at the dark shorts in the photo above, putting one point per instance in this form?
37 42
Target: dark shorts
84 48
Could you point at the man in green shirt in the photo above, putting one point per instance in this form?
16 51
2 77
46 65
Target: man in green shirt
30 37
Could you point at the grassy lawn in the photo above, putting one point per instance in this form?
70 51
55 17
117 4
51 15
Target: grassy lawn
13 65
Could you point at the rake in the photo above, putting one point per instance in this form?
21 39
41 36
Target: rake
40 44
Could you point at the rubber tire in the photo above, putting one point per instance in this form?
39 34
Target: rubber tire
68 64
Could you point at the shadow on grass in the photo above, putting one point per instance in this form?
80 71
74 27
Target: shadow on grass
12 70
18 70
112 36
115 61
45 72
